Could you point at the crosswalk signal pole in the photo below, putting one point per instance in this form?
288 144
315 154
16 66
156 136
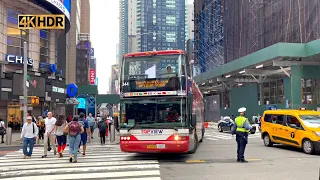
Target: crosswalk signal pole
25 88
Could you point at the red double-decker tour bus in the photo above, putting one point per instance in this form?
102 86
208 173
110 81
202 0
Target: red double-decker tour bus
162 109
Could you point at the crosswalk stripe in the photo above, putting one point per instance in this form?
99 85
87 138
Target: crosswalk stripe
80 164
211 138
80 169
89 175
99 162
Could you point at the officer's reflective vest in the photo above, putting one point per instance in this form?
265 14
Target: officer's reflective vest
240 122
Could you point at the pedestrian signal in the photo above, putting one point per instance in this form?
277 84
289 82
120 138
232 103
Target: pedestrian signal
35 100
47 21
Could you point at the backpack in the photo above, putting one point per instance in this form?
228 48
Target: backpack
74 128
102 125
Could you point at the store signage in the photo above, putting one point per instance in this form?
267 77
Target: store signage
58 4
92 76
72 90
58 90
13 59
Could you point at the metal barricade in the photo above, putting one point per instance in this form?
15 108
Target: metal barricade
8 136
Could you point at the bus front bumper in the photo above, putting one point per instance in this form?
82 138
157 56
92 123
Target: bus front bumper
155 146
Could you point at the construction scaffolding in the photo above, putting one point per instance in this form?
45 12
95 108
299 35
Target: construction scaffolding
226 30
209 35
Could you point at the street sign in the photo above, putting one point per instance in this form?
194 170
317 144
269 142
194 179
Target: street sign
92 52
72 101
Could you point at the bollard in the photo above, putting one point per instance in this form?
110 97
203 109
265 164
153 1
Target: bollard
8 136
112 133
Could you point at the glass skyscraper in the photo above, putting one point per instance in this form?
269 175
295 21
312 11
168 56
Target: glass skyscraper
161 24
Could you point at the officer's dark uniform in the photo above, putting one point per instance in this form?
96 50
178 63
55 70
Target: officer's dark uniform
241 129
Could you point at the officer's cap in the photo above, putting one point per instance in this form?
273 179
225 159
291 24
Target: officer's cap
241 110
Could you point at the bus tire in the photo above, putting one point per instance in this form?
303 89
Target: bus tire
196 144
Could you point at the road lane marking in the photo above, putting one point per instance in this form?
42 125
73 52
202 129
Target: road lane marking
195 161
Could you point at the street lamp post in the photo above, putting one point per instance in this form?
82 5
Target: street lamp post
25 88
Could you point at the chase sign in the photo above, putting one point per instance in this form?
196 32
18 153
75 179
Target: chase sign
18 60
72 90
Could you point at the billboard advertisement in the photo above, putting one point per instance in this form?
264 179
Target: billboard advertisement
92 76
57 7
36 85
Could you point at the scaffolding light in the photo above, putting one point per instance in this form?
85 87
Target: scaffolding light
227 76
259 66
241 72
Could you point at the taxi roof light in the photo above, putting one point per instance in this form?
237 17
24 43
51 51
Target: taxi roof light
302 108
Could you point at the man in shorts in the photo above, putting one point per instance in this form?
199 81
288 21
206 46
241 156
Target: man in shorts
84 135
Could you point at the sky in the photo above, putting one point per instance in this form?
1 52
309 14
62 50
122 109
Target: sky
104 27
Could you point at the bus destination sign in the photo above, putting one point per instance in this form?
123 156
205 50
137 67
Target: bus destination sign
151 84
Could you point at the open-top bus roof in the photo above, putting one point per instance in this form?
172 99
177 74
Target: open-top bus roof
151 53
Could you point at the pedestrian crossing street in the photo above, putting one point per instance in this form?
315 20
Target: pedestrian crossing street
101 162
215 136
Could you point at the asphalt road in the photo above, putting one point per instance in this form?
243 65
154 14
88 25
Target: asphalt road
216 159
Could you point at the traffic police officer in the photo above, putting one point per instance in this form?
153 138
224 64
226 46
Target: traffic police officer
241 128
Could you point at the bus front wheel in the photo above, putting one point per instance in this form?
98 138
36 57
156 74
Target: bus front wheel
195 144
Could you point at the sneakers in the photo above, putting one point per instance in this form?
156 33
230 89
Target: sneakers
44 156
70 159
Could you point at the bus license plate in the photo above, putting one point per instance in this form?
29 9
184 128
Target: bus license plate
151 146
161 146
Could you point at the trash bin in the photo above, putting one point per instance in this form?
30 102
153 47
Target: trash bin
112 133
8 135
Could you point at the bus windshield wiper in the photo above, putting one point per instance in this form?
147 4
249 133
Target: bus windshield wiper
133 126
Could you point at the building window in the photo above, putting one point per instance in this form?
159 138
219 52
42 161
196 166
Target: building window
44 46
15 36
273 92
266 93
280 89
225 104
309 91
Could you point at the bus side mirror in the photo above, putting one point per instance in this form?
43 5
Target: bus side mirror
194 120
116 123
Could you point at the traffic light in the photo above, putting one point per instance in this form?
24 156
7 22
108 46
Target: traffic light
34 100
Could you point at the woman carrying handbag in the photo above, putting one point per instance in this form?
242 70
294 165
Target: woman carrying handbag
60 134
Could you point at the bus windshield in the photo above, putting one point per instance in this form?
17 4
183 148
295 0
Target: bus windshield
154 113
153 73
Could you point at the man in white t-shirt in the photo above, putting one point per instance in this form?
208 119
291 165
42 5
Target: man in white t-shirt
49 134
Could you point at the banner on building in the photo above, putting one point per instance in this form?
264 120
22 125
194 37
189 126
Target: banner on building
92 76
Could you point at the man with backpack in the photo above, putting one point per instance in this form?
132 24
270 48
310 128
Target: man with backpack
84 136
102 126
74 129
28 135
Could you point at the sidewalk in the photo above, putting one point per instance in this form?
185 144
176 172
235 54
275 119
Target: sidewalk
17 143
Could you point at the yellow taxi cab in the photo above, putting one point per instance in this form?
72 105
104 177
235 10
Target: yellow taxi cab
299 128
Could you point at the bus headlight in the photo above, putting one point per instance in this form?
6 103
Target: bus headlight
176 138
